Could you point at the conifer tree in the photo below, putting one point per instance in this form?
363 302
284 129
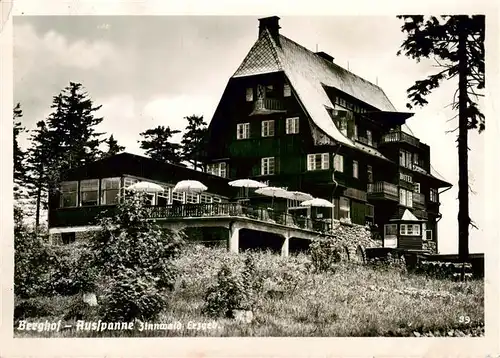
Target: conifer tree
113 147
158 145
457 45
193 140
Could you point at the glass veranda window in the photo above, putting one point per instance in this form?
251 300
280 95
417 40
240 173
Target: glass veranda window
89 192
110 190
69 194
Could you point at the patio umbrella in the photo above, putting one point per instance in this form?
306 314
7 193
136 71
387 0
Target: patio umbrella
145 186
299 196
318 202
247 183
274 192
189 186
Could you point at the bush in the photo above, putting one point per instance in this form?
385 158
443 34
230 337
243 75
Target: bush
443 270
325 254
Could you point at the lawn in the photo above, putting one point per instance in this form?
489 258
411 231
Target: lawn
353 300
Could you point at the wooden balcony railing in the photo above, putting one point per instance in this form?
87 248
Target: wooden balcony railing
365 141
239 210
400 137
384 188
419 200
355 194
268 104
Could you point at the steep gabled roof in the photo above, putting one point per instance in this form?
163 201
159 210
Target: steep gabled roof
308 73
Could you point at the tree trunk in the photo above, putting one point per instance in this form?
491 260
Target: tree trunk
463 172
38 204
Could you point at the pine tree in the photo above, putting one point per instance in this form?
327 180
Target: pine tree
193 140
457 45
65 140
18 153
113 147
157 144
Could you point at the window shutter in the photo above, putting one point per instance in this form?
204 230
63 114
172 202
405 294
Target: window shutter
310 162
409 199
276 165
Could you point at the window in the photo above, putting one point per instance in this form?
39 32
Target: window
390 229
287 90
409 229
267 166
110 190
406 177
343 126
433 195
406 197
369 173
292 125
428 235
89 192
216 199
318 161
205 198
344 208
355 131
268 128
177 197
405 159
417 187
338 163
243 130
249 94
191 198
370 210
218 169
369 137
355 168
163 198
69 194
294 204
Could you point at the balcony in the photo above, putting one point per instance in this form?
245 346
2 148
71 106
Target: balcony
268 106
418 201
400 137
355 194
383 190
364 141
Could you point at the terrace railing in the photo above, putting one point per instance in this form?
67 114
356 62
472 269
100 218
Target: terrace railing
269 104
399 136
239 210
383 188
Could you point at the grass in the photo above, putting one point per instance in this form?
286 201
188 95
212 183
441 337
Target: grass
354 300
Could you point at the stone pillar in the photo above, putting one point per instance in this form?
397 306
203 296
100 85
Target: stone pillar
285 246
234 238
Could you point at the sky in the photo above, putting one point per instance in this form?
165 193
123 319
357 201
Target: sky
147 71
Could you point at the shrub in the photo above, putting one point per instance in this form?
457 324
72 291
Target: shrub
443 270
325 254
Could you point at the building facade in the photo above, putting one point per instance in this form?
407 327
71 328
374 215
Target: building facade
295 119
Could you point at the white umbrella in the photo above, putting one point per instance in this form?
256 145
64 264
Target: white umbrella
298 195
247 183
272 191
189 186
318 202
146 187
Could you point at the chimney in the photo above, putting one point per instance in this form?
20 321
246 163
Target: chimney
272 24
325 56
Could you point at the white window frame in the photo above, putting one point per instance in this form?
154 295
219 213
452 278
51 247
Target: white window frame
433 195
344 207
243 131
369 173
416 188
69 188
267 166
287 90
192 198
268 128
167 194
390 230
83 190
179 197
405 159
206 199
409 230
219 169
292 125
249 94
428 234
355 169
343 126
312 160
355 131
406 197
338 163
105 189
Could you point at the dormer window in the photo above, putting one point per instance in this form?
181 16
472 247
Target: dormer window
287 90
249 94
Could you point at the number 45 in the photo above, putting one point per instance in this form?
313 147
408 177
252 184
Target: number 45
463 319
